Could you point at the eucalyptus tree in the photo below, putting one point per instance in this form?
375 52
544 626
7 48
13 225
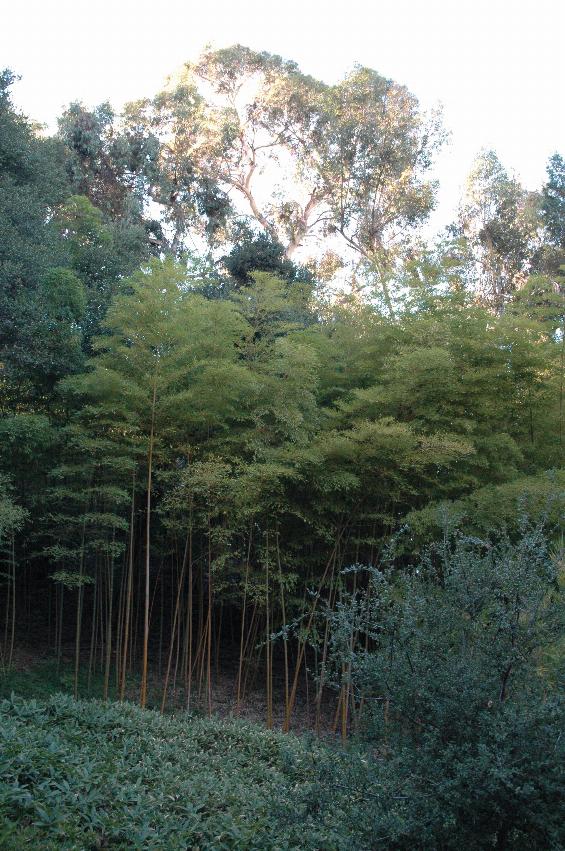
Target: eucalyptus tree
553 201
110 165
501 224
304 159
371 147
550 258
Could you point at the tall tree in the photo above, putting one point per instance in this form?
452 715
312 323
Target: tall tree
500 223
302 157
553 201
113 167
551 257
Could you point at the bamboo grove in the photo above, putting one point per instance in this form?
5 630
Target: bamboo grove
194 448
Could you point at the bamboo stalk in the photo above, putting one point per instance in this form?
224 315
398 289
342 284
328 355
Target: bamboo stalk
143 694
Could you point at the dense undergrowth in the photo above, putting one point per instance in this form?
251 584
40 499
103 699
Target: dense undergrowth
45 678
86 775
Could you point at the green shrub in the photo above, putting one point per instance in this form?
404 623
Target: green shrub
492 507
87 775
458 672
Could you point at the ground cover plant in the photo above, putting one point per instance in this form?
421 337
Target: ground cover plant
86 775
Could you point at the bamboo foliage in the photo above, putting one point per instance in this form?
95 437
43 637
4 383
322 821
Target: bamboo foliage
223 460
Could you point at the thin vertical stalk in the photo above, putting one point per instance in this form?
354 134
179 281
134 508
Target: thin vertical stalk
79 608
173 629
243 613
13 630
143 695
302 644
109 624
188 674
209 623
285 637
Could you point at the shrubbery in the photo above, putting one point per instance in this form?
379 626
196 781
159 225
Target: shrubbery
87 775
455 670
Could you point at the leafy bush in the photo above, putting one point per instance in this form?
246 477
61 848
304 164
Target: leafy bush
494 506
456 669
88 775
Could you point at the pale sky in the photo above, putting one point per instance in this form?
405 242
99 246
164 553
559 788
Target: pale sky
496 66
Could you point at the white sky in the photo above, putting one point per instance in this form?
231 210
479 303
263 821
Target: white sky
496 65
